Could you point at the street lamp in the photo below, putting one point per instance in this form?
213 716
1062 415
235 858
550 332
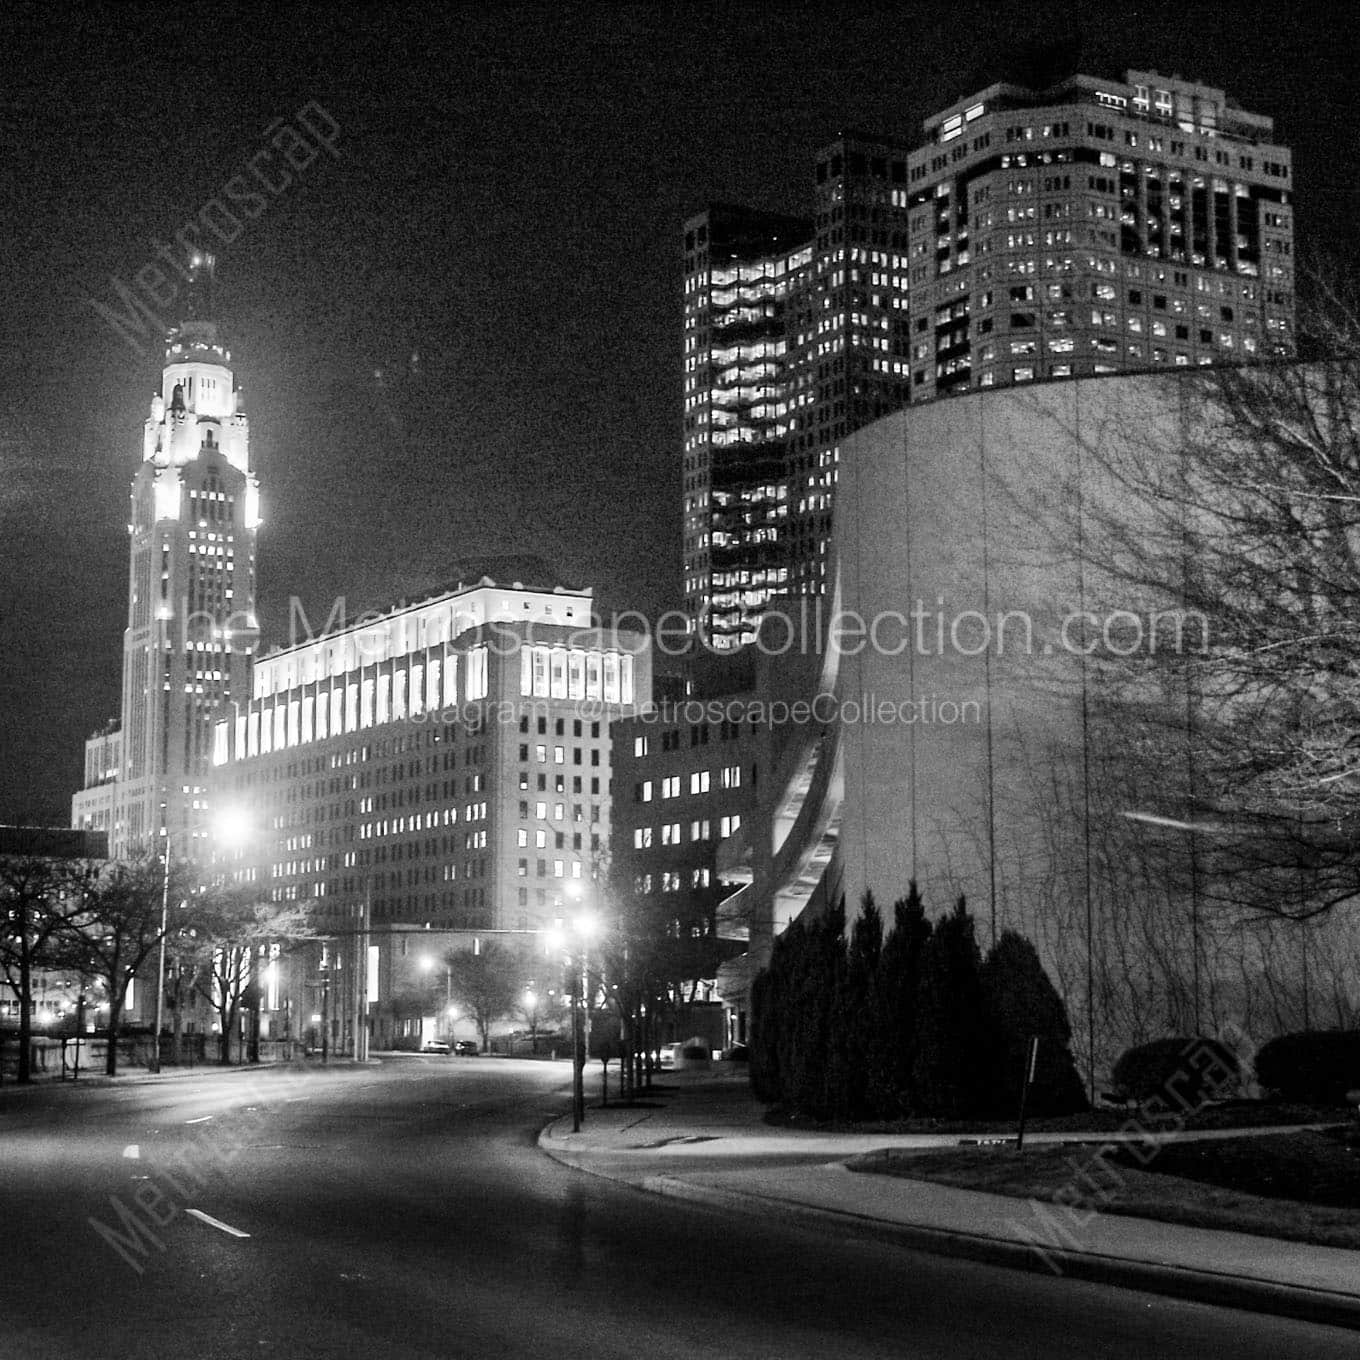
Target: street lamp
585 925
231 827
426 963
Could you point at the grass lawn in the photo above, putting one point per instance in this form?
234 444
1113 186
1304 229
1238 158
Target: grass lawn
1301 1186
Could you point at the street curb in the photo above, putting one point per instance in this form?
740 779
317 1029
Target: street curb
1198 1286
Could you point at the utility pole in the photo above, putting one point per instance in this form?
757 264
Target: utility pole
325 1007
361 978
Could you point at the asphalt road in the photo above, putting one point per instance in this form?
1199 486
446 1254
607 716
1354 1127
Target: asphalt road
405 1211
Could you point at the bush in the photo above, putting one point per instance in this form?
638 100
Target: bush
1182 1073
1317 1067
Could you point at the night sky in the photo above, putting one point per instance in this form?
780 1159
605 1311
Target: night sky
461 336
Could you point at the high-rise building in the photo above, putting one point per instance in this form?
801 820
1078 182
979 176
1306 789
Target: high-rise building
795 334
1095 226
1065 227
741 269
849 352
191 626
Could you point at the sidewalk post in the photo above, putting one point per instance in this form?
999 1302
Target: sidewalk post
577 1086
1024 1089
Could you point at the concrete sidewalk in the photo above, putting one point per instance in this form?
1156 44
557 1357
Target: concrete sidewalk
700 1137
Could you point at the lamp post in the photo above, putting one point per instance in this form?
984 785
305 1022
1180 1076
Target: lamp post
361 976
426 964
584 926
230 830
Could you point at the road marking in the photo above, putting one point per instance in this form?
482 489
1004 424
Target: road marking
202 1119
132 1151
215 1223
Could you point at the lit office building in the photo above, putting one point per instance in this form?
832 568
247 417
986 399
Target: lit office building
742 270
191 626
795 334
447 763
1096 226
1057 229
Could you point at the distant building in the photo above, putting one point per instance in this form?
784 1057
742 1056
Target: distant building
445 766
686 774
1095 226
191 626
52 842
1048 226
742 271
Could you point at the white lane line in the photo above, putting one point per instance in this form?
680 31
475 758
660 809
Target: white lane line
132 1151
202 1119
215 1223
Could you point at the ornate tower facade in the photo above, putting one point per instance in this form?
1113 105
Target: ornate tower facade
191 623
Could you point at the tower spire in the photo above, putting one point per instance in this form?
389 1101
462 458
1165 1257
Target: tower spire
200 302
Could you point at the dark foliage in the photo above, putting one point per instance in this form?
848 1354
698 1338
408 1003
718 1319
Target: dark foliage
1179 1074
955 1070
1313 1066
1023 1004
898 983
910 1025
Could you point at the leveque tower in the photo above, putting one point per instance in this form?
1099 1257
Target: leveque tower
191 623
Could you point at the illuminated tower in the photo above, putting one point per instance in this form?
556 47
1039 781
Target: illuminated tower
191 626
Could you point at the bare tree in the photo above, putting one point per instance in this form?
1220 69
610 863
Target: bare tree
227 931
485 984
39 897
1229 500
115 932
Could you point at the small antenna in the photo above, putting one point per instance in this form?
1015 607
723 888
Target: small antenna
200 303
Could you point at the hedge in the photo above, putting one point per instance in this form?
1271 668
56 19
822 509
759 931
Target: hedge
1181 1073
1315 1066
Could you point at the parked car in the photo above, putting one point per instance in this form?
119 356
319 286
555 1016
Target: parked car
464 1048
435 1046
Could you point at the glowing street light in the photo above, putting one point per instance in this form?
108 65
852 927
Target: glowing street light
230 828
585 925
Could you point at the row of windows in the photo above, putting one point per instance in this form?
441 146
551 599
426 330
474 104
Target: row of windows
559 755
700 781
372 700
698 732
560 869
672 880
